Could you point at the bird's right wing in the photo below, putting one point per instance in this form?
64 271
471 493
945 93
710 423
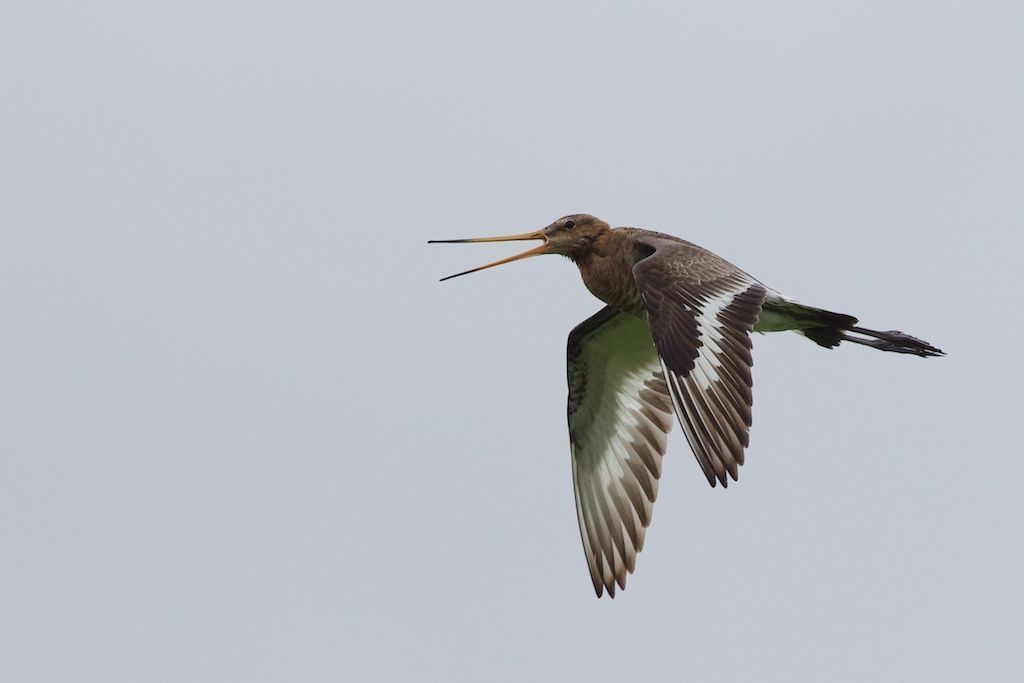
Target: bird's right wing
619 416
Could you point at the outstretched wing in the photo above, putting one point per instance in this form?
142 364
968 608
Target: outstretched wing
620 414
701 310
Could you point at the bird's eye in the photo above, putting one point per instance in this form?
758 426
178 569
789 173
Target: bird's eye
569 225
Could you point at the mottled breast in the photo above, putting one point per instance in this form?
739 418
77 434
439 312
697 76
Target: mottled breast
608 272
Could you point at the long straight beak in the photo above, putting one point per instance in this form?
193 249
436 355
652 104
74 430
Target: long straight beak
536 251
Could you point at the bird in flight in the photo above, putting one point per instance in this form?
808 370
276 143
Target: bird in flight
673 337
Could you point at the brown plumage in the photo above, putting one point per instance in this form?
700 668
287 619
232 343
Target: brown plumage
674 337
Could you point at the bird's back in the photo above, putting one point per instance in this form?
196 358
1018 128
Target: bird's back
681 259
607 270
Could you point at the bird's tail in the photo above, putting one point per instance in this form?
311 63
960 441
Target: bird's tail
829 329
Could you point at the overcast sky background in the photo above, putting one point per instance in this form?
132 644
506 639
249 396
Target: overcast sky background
246 435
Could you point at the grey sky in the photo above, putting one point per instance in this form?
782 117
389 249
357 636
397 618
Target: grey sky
246 435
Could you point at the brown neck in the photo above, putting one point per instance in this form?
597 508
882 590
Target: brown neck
607 270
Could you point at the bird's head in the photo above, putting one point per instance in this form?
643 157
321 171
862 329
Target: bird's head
572 236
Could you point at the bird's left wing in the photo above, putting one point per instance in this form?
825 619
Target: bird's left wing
620 414
701 310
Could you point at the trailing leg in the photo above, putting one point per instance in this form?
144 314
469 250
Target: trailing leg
828 329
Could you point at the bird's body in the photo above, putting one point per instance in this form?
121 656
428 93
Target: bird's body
674 337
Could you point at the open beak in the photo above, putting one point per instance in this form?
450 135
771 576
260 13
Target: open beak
536 251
